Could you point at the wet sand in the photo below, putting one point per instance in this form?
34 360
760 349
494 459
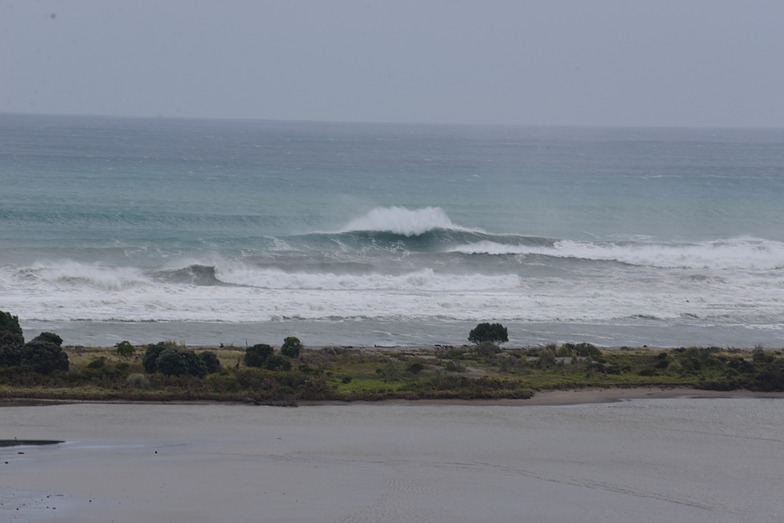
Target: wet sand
697 460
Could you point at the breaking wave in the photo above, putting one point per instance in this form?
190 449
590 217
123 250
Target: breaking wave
736 253
407 222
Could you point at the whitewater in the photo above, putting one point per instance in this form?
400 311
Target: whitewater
232 232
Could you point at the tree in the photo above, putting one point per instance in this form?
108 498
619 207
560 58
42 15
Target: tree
9 323
256 356
44 355
493 332
291 347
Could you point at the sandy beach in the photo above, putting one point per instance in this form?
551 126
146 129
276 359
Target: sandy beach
684 457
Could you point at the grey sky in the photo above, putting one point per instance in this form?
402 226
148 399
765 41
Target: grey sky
573 62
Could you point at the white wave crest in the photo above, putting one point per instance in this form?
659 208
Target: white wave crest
422 280
71 273
736 253
400 220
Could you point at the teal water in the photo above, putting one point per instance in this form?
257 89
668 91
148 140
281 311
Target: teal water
229 231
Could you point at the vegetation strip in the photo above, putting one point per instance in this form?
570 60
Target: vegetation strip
166 371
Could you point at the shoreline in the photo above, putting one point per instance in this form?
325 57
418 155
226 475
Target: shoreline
586 396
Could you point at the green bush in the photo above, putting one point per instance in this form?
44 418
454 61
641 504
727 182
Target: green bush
277 362
44 355
211 361
583 350
125 349
180 362
493 332
11 345
10 324
256 356
138 381
150 358
291 347
97 363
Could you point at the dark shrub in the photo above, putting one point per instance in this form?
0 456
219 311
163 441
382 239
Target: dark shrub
277 362
44 355
493 332
150 358
97 363
180 362
291 347
211 361
9 323
11 345
256 356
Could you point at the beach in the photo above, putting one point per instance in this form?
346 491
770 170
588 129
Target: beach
657 459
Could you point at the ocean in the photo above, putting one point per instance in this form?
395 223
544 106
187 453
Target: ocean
240 232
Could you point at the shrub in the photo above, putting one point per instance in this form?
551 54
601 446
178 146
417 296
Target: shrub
455 366
180 362
277 362
546 358
11 345
138 381
44 355
493 332
97 363
150 358
211 361
9 323
415 368
291 347
487 349
125 349
583 350
256 356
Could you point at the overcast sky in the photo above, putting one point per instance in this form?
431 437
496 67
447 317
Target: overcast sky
564 62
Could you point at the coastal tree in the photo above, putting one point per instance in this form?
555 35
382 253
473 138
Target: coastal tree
291 347
44 354
256 355
9 323
492 332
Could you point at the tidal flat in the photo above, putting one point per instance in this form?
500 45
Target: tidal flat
675 459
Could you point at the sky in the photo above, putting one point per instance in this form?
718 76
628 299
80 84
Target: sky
681 63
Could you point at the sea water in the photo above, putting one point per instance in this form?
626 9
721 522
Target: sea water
233 232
